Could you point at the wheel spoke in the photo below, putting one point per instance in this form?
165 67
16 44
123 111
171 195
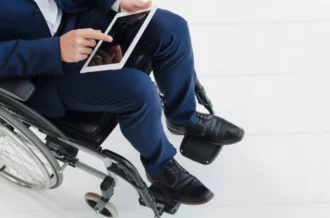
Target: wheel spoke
17 171
28 170
22 164
23 159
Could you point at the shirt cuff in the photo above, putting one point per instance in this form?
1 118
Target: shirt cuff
115 6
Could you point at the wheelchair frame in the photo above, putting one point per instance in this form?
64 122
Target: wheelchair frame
114 163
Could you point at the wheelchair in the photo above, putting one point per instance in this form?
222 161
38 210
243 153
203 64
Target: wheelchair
33 163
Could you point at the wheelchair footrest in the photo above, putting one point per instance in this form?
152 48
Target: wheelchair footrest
199 150
164 205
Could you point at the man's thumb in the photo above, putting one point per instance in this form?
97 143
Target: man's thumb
146 3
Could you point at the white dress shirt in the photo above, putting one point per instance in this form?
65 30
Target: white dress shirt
53 14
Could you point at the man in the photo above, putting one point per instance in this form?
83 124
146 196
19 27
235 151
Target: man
56 37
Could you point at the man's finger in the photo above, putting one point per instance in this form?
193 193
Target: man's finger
82 57
92 63
88 43
143 4
118 54
141 15
106 58
94 34
86 50
98 61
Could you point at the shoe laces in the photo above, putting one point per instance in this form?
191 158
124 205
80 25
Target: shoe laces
202 118
176 168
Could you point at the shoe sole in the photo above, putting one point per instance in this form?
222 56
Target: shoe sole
170 199
196 204
240 138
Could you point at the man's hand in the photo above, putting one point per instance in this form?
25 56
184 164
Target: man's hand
114 55
134 5
76 45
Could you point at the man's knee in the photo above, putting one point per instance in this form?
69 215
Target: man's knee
167 22
142 92
174 20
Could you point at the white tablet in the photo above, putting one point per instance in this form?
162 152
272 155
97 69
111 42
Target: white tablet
126 30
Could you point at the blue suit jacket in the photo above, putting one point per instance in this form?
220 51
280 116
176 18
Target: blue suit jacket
27 47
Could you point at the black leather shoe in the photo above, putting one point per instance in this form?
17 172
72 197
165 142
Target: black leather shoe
180 186
215 129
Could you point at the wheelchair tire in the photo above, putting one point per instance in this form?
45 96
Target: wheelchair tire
109 209
42 160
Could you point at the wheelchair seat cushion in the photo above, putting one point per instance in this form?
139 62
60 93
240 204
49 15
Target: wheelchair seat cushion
18 88
89 129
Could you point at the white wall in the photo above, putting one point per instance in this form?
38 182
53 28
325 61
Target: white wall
265 64
240 11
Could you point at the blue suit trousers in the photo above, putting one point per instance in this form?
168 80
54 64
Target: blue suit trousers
130 93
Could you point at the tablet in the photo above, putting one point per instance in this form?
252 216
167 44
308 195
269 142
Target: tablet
126 29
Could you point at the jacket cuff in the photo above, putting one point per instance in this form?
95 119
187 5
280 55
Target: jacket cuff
49 55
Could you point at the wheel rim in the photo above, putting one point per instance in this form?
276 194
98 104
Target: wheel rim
22 162
104 212
109 209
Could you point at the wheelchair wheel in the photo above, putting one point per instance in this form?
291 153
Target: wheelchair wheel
24 158
109 209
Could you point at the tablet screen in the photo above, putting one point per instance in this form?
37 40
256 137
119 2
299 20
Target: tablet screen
123 32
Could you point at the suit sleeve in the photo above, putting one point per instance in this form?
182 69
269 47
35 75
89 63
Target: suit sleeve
105 5
24 58
76 6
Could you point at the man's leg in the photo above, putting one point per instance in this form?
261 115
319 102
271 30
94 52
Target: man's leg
167 40
131 95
